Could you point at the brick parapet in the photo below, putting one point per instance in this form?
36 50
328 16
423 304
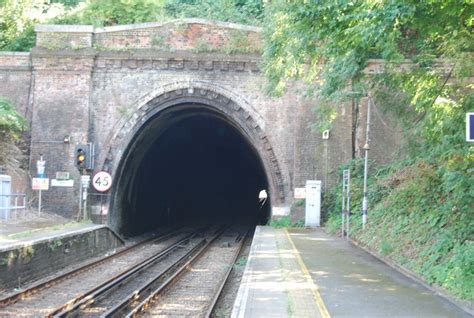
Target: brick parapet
197 35
64 36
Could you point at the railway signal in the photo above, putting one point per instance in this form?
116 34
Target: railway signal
84 156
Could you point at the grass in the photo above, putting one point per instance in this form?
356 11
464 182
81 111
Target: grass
241 262
285 222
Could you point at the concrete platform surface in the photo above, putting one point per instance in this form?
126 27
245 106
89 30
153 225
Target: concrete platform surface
275 282
29 227
307 273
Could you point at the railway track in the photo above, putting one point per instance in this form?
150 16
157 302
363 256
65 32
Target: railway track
40 299
184 277
194 290
115 296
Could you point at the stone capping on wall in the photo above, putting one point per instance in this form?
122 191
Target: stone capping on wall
64 28
132 27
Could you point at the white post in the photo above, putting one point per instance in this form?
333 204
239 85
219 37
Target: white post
84 196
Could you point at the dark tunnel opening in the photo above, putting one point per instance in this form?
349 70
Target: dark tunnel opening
190 164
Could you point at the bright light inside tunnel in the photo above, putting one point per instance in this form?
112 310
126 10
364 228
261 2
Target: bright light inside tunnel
189 164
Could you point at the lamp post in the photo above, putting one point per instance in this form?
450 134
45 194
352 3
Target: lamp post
365 201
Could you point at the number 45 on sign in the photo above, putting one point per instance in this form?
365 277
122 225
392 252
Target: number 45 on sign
102 181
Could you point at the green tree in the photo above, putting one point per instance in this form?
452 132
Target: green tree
17 19
13 20
421 208
329 43
237 11
113 12
12 125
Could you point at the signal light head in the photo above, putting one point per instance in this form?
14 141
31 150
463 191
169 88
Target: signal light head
80 157
83 156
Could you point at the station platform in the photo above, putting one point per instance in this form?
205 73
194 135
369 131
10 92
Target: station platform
307 273
29 227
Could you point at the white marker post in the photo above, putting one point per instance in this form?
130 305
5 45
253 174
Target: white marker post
40 167
85 180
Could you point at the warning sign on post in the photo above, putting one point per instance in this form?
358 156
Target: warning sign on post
102 181
40 184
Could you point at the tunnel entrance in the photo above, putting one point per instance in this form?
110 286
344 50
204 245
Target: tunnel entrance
189 163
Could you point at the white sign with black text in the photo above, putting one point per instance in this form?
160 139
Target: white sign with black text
102 181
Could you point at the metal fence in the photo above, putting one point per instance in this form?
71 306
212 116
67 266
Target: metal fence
13 202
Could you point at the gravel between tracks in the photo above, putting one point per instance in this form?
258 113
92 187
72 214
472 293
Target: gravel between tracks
192 293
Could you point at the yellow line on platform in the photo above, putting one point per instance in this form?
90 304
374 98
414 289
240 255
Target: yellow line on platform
314 288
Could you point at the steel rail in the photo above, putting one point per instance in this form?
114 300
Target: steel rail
219 289
74 304
127 303
22 294
175 277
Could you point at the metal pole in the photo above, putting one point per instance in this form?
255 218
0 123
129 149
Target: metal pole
343 211
365 201
348 189
39 203
80 200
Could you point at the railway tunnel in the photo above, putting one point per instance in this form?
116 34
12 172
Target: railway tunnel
190 163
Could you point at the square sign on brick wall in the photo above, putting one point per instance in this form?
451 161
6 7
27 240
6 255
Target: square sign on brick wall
470 127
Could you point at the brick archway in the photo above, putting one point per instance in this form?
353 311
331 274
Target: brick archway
236 111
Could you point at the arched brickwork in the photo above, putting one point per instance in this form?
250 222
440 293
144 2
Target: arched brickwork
236 111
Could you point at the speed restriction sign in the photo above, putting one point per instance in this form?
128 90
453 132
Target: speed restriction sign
102 181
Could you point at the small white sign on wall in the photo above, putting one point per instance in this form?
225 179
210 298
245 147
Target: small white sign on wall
280 210
300 193
62 183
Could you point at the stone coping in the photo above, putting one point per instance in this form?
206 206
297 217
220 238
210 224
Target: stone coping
64 28
15 54
130 27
